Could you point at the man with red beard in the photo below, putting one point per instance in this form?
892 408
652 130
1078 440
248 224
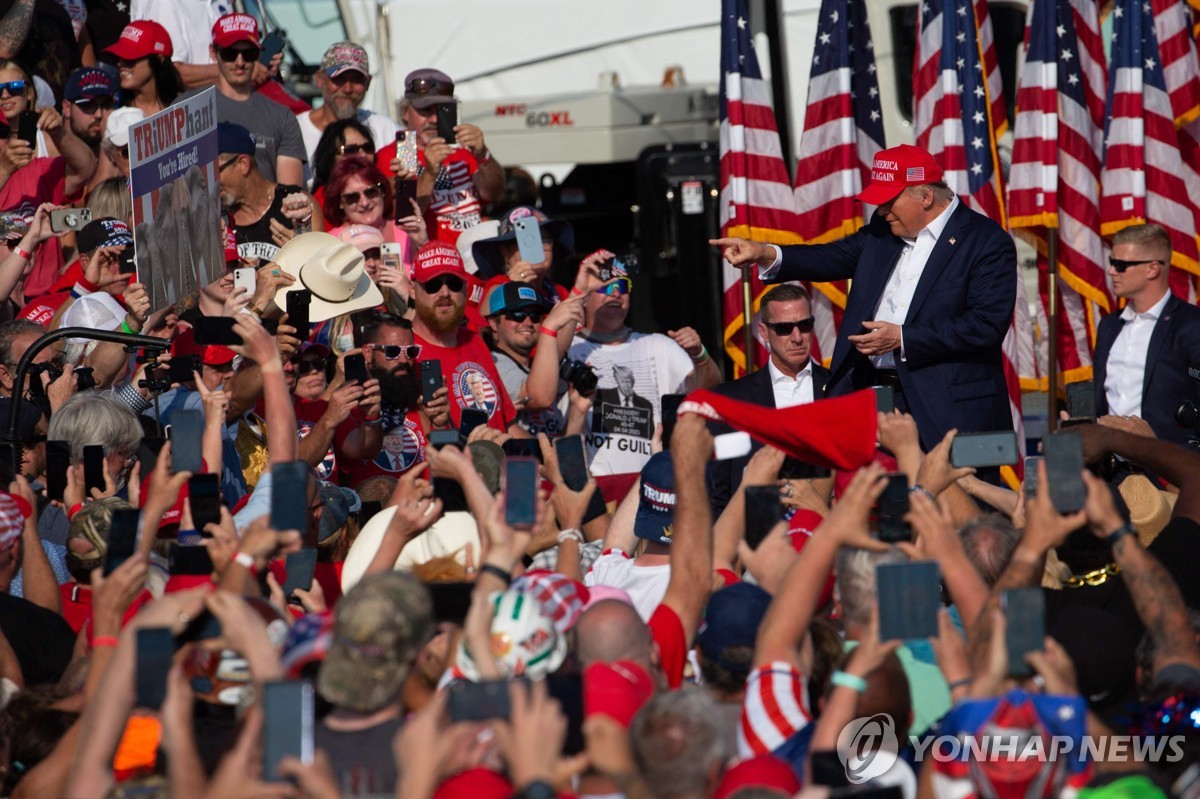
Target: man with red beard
440 292
392 359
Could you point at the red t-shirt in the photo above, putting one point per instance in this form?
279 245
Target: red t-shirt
666 629
470 373
77 605
403 448
42 180
308 413
327 575
454 205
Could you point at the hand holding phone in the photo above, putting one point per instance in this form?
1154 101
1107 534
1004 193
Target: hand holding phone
763 512
521 483
909 595
447 114
272 46
187 431
1064 471
356 368
93 469
289 719
529 240
289 496
431 379
204 500
298 302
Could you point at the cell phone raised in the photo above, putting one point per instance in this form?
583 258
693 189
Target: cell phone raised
522 448
442 438
406 149
27 127
190 560
155 650
216 330
204 499
521 483
431 379
122 538
245 278
980 450
182 368
1031 475
909 595
127 262
289 718
893 507
186 433
64 219
58 460
529 240
406 193
670 412
1025 610
297 303
93 468
763 512
885 399
478 701
447 114
356 368
299 567
1064 471
572 461
1081 400
272 46
289 496
468 420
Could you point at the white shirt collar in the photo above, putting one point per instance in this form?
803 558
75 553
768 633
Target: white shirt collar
1155 311
777 376
938 225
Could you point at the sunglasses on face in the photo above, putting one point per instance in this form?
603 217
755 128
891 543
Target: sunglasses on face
455 284
311 365
92 107
786 328
1121 265
369 193
521 316
621 286
428 86
230 54
355 149
392 352
13 87
228 163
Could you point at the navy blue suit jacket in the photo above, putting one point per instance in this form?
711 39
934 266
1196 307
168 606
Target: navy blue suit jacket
1174 346
953 373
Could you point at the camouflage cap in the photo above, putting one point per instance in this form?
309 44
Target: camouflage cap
91 525
378 629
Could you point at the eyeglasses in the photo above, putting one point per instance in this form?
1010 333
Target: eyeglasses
786 328
230 54
620 287
521 316
94 106
228 163
1121 265
355 149
370 193
13 87
312 365
455 284
428 86
392 352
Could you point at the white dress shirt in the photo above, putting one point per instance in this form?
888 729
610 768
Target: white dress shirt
1127 359
791 391
902 284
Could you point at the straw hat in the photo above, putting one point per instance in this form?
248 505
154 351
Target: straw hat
333 270
1149 508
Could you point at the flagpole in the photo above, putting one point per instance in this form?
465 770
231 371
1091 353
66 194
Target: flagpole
747 318
1052 331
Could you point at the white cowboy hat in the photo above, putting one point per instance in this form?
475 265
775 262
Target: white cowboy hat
449 535
333 270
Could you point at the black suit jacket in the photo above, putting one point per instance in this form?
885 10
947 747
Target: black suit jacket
755 388
1174 346
953 372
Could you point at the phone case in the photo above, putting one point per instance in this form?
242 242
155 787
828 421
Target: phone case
909 598
529 240
406 150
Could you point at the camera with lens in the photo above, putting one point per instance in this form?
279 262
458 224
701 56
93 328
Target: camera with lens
1188 414
579 375
84 376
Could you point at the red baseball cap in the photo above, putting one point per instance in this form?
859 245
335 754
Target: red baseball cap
233 28
142 38
764 771
897 168
435 259
211 354
617 689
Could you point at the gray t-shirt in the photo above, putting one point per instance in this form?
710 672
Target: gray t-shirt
363 760
550 421
273 127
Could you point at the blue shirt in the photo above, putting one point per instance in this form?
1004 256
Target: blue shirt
233 483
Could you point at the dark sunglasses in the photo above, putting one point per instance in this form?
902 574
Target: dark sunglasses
355 149
228 163
455 284
230 54
91 107
521 316
786 328
621 286
1121 265
13 87
371 193
428 86
311 365
392 352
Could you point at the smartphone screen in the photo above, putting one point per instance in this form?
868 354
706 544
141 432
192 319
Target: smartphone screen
192 560
271 47
356 368
288 720
187 430
127 263
893 507
27 127
442 438
122 538
155 649
289 496
216 330
93 468
182 368
447 114
529 240
885 399
522 448
1081 399
763 512
1064 467
1031 475
980 450
1025 611
909 597
204 497
572 461
431 379
299 567
406 194
468 420
521 484
58 460
670 410
297 311
478 701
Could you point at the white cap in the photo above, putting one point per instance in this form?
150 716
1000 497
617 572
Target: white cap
116 132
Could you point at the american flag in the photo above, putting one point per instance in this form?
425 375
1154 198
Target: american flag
843 129
1054 182
756 191
1149 172
959 116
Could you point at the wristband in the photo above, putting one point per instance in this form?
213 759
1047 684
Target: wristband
963 683
570 535
1125 529
254 309
496 571
545 331
702 356
125 328
25 255
844 680
575 290
103 640
74 509
376 422
246 560
920 489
